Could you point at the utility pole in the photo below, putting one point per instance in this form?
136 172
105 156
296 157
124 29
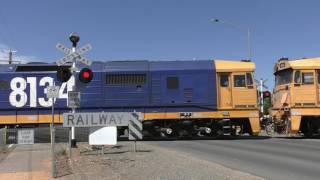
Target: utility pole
10 56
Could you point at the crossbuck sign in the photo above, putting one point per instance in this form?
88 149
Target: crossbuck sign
73 55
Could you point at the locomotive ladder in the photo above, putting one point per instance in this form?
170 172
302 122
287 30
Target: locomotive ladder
226 127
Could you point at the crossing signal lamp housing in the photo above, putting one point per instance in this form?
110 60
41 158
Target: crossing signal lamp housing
266 94
85 75
63 74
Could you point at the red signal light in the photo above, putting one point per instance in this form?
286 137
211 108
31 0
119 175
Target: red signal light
85 75
266 94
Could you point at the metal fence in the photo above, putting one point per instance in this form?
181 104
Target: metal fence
43 135
60 149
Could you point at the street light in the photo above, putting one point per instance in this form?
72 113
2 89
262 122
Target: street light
237 26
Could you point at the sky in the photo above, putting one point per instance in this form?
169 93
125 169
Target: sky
163 30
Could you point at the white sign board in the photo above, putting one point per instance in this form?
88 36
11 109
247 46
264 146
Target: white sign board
103 135
73 99
90 119
53 91
25 136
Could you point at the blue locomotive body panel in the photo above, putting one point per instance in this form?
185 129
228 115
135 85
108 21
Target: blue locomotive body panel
145 86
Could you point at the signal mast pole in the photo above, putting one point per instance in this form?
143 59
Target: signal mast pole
74 38
261 96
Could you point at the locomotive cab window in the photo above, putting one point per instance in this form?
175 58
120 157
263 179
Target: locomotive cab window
297 77
172 82
283 77
249 79
224 80
239 80
307 78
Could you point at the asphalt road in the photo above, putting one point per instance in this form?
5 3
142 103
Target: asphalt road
270 158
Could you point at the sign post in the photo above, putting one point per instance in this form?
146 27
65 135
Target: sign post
26 136
135 130
53 93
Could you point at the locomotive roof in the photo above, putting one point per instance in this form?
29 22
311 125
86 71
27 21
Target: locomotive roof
308 63
141 65
234 66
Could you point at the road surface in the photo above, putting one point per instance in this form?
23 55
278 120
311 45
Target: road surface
270 158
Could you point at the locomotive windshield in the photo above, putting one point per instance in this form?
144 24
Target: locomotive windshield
283 77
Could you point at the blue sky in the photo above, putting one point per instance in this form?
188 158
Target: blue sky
164 29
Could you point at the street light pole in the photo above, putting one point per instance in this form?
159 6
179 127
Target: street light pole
240 27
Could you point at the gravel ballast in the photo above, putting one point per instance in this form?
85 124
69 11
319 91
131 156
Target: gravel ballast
148 163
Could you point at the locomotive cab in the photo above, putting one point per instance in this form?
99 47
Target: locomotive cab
296 103
237 94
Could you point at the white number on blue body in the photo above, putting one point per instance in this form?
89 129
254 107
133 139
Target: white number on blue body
19 98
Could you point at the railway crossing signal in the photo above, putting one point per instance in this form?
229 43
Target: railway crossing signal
63 74
74 55
266 94
262 93
85 75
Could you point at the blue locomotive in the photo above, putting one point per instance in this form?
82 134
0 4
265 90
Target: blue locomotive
177 98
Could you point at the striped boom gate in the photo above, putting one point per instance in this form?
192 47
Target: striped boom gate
135 127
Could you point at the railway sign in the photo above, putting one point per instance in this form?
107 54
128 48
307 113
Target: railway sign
84 61
73 99
135 128
92 119
84 49
64 49
71 56
53 91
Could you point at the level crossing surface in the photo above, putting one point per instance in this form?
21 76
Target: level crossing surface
270 158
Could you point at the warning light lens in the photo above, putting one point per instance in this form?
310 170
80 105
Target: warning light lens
266 94
63 74
85 75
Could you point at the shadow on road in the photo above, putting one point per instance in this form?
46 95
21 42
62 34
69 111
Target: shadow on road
208 138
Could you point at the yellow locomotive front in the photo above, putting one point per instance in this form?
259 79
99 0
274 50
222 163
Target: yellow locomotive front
296 101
